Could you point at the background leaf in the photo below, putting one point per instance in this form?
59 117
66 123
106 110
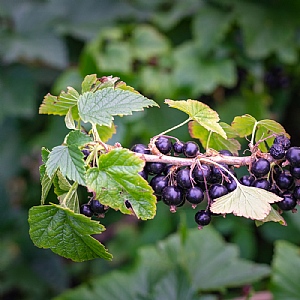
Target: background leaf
243 125
65 233
200 113
100 107
116 179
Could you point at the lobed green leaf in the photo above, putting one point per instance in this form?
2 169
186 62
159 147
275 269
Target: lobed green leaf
273 216
106 132
116 180
66 233
100 107
201 113
243 125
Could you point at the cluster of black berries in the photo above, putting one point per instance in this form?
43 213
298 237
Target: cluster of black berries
93 208
175 185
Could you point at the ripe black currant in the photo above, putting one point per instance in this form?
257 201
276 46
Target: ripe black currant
202 217
296 192
217 190
247 180
261 183
158 183
97 207
85 153
288 202
178 147
183 178
86 210
225 152
155 167
284 141
140 148
293 156
172 195
260 168
194 195
217 172
277 151
231 184
163 144
144 174
201 172
284 181
295 172
190 149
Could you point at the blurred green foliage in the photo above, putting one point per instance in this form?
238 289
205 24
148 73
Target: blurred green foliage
236 56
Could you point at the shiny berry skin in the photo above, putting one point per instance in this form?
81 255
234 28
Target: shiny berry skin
247 180
261 183
284 181
163 144
293 156
144 174
201 172
86 210
97 207
178 147
288 202
217 190
225 152
277 151
282 140
190 149
231 184
295 172
217 172
260 168
140 148
183 178
202 217
296 192
86 153
155 167
172 195
194 195
158 183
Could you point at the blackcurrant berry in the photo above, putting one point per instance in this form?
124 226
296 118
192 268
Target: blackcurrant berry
190 149
201 172
86 153
155 167
288 202
86 210
284 141
194 195
158 183
225 152
217 190
231 184
284 181
217 172
260 168
97 207
183 178
140 148
296 192
293 156
163 144
277 151
261 183
144 174
172 195
178 147
202 217
247 180
295 172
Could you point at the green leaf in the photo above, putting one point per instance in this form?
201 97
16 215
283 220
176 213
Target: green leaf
46 181
116 179
245 201
200 113
70 199
88 82
243 125
69 160
285 276
213 140
60 105
170 270
106 132
77 138
100 107
273 216
61 184
66 233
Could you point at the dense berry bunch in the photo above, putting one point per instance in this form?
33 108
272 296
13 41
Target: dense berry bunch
93 208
